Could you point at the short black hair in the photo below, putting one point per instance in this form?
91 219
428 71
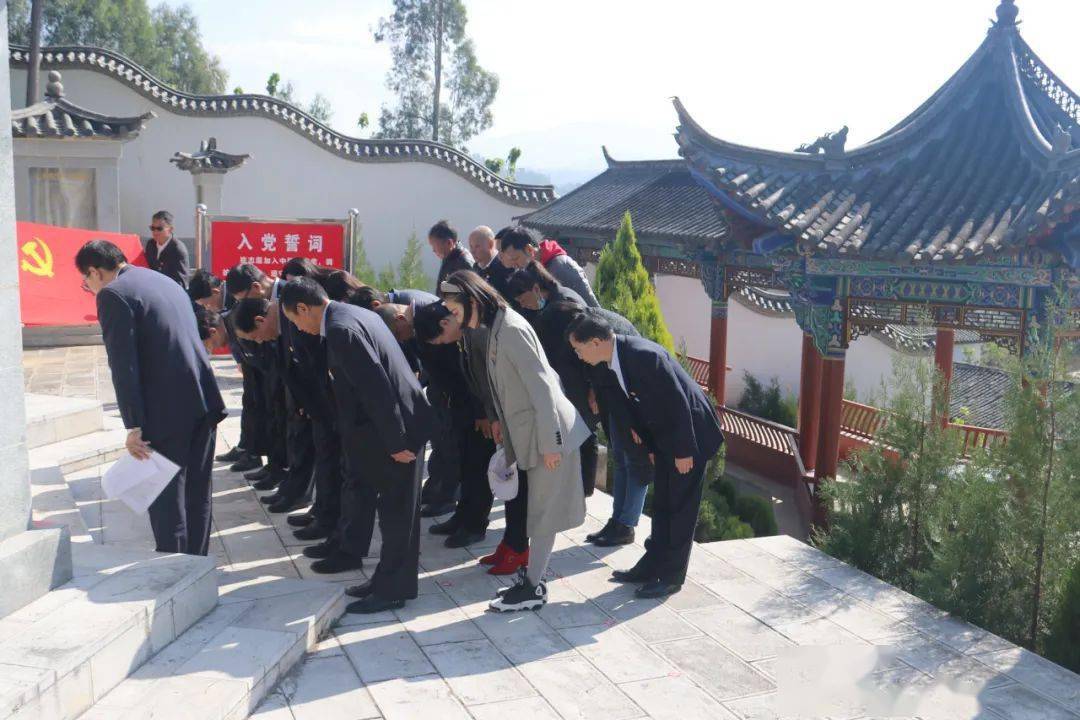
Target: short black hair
301 290
164 215
205 320
100 254
339 284
245 312
442 231
517 237
589 326
523 280
427 321
202 284
471 286
367 296
303 267
242 277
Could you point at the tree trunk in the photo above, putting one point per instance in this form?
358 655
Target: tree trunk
438 69
1040 546
34 68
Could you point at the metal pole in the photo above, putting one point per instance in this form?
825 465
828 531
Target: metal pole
34 67
200 232
438 69
353 230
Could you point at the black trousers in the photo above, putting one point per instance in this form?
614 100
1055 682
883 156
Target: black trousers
300 448
474 505
676 501
396 487
274 443
252 408
517 516
589 453
327 447
180 516
444 465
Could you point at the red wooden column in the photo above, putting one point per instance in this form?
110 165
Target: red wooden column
943 359
718 350
832 399
809 402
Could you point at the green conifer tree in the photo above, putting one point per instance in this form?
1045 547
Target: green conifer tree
623 285
410 270
361 266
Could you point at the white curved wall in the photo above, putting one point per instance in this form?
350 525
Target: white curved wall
288 175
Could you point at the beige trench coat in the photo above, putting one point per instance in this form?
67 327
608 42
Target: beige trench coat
537 418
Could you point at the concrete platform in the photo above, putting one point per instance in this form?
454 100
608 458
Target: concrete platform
83 451
65 651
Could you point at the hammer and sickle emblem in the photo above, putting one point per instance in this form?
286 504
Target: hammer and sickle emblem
40 266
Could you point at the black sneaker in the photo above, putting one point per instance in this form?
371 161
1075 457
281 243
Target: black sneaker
593 537
521 575
232 456
618 535
523 596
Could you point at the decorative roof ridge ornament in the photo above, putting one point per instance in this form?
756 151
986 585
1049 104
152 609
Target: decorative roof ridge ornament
54 90
208 159
1006 14
831 145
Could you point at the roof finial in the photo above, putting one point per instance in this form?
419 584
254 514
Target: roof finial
1007 12
55 89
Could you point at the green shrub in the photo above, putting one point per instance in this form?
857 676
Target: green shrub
768 401
758 513
1063 640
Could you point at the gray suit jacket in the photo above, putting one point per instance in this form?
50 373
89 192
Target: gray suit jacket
537 418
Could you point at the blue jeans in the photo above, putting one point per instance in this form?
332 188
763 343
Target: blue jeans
633 472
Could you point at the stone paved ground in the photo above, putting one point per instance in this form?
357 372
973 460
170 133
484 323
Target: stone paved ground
752 612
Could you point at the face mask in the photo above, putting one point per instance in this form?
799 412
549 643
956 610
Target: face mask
541 301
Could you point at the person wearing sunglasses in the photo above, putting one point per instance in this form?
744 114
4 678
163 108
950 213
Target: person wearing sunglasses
164 253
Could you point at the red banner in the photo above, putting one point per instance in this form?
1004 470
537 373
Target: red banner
50 288
269 245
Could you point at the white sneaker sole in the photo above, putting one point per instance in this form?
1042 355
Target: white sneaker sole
499 606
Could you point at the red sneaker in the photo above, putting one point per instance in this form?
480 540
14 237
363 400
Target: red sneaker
510 563
495 557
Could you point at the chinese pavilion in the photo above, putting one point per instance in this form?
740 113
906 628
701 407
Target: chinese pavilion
965 216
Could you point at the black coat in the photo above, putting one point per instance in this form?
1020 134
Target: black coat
372 382
495 273
458 259
666 407
172 263
160 369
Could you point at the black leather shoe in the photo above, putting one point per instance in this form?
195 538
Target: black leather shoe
635 574
360 591
301 520
372 604
437 509
232 456
592 537
284 505
270 499
337 562
314 531
323 550
261 473
248 462
463 538
657 589
618 535
267 483
446 527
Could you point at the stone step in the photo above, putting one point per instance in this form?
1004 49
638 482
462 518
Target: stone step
76 453
226 663
54 505
51 418
65 651
42 336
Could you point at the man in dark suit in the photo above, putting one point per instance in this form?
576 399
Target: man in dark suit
165 253
673 417
444 243
165 388
485 252
385 422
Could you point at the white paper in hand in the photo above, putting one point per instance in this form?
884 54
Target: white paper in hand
137 483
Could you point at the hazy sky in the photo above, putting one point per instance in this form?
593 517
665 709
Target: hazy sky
576 74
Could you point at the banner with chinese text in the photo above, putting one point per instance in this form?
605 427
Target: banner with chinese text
268 245
50 287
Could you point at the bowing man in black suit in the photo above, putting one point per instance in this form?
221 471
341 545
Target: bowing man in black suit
165 388
385 421
670 413
165 253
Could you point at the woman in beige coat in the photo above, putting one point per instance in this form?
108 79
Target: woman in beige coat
538 427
